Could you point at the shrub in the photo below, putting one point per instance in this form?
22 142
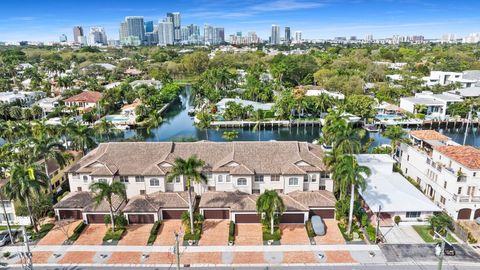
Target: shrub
196 235
371 232
397 219
471 239
42 232
276 236
309 228
120 220
115 236
51 214
231 232
364 220
77 231
154 232
6 254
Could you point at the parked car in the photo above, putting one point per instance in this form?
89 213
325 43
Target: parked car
318 225
5 237
449 250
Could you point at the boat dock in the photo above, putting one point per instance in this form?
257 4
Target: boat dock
272 123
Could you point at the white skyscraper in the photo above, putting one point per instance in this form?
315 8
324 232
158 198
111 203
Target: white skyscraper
175 18
135 27
297 39
275 37
97 36
208 34
165 33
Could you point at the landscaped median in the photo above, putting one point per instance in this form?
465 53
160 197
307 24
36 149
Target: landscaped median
76 232
154 233
192 238
231 233
113 236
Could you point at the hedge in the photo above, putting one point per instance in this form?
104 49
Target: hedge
115 236
276 236
77 231
154 232
231 232
309 228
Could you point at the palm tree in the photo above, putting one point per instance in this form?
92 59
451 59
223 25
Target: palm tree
354 175
36 111
65 129
154 120
48 148
83 138
347 139
190 169
204 120
258 117
395 134
104 127
26 181
105 191
270 204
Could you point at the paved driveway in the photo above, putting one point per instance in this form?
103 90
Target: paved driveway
215 232
333 235
136 235
401 235
166 235
294 234
92 235
58 234
248 234
426 253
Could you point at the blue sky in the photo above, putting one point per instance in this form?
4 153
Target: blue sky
45 20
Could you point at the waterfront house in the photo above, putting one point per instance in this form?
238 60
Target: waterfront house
84 101
448 173
222 104
24 97
435 105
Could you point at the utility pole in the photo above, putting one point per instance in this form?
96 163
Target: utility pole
28 254
442 250
468 121
377 228
177 249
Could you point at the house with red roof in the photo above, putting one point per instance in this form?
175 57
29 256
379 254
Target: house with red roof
84 101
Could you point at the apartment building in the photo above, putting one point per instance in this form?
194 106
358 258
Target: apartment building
448 173
435 105
232 169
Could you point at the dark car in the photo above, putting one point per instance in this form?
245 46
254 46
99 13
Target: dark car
5 237
449 250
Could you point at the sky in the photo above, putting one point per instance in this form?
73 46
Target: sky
46 20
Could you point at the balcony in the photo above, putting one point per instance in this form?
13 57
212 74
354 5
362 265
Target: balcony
466 198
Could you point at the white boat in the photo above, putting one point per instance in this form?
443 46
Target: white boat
371 128
122 127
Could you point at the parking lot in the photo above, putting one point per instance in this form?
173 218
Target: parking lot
426 253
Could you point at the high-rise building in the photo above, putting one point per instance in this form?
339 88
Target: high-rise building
275 36
448 38
298 37
135 27
219 35
63 38
369 38
123 32
77 34
287 35
175 18
148 26
208 34
97 36
165 33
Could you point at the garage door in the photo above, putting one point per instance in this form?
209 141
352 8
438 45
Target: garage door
216 214
464 213
324 213
95 218
70 214
292 218
247 218
141 218
172 214
476 214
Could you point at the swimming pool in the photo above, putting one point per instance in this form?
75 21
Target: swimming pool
117 119
387 117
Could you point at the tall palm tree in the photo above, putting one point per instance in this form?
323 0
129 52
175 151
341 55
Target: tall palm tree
352 174
190 169
3 167
105 191
270 204
48 148
348 140
83 138
204 120
395 134
104 127
154 120
258 117
65 129
26 181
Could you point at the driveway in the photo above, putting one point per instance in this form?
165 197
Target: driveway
426 253
136 235
248 234
294 234
401 235
92 235
215 232
59 233
333 236
166 236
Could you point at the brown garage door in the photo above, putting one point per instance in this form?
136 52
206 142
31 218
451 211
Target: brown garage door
95 218
216 214
292 218
477 214
247 218
141 218
464 213
324 213
70 214
172 214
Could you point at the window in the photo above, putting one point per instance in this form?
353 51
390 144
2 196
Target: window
139 179
85 179
459 191
142 192
208 175
228 179
413 214
241 182
408 157
3 218
474 174
442 200
406 170
177 179
305 178
220 178
428 161
314 178
7 204
123 179
154 182
79 189
275 178
444 184
293 181
259 178
102 180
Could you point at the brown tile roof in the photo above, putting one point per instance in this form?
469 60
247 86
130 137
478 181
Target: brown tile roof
86 96
79 199
428 135
155 201
117 204
146 158
312 199
468 156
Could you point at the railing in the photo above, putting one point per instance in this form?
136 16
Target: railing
466 198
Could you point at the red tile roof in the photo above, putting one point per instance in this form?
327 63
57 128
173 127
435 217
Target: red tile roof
428 135
86 96
468 156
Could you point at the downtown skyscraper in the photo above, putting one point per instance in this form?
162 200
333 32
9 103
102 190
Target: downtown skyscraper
132 31
78 34
275 36
97 36
288 37
175 18
165 33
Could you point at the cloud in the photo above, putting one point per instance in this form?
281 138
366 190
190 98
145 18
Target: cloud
287 5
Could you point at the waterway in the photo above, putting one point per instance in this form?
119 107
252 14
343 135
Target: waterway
179 126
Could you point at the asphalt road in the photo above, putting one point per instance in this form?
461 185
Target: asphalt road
425 253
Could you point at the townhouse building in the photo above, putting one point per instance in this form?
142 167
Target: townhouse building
233 170
448 173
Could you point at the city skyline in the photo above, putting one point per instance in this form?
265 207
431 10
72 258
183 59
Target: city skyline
47 20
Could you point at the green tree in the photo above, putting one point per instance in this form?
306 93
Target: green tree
83 138
440 222
204 121
105 191
190 170
230 135
395 134
270 204
48 148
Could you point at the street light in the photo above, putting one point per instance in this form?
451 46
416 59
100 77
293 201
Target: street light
442 249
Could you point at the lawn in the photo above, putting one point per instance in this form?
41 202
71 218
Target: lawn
424 232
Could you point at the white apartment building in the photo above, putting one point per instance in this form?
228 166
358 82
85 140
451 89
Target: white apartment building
26 98
448 173
436 105
445 78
